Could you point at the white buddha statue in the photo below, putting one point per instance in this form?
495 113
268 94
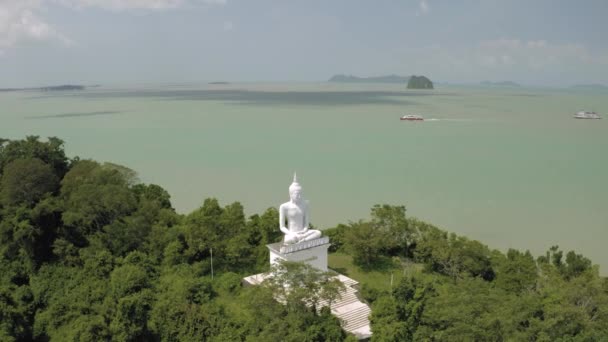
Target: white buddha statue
297 215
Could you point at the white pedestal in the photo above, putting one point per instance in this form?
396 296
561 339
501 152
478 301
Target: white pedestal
313 252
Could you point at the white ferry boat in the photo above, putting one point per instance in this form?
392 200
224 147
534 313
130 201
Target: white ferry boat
586 115
412 117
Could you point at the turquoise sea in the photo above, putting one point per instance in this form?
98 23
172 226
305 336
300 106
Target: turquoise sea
509 167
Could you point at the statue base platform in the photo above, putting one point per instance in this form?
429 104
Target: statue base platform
312 252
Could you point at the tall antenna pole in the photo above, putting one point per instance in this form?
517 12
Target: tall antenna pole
211 263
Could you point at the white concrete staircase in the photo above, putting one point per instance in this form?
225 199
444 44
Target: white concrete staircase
353 313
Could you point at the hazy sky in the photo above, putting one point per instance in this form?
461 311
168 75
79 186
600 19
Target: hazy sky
538 42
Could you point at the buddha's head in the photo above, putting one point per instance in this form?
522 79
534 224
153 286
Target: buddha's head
295 190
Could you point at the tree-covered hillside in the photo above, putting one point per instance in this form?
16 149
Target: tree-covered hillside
88 253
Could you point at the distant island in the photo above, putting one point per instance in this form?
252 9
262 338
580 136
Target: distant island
500 84
63 87
413 82
219 82
419 82
594 86
374 79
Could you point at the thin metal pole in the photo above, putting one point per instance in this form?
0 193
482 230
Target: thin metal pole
211 263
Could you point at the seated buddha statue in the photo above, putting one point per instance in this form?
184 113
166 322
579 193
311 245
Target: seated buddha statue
294 217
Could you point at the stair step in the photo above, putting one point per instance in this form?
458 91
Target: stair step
363 311
356 318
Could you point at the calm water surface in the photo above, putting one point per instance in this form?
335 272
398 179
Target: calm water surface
509 167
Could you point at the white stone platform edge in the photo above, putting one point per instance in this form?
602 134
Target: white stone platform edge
313 252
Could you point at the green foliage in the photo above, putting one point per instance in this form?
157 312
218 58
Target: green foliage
262 230
365 243
26 181
389 233
229 282
454 256
300 285
517 272
386 326
184 310
16 312
264 319
522 306
131 316
392 222
94 196
336 236
153 193
50 152
72 304
128 279
25 232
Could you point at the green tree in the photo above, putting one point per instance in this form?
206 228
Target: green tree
336 236
26 181
365 243
152 192
183 310
386 323
454 256
300 285
50 152
27 234
392 221
263 230
517 272
93 196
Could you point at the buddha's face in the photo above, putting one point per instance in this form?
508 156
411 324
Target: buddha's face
295 195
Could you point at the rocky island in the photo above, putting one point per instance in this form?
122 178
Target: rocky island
419 82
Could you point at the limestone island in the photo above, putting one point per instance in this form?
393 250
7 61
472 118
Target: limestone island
419 82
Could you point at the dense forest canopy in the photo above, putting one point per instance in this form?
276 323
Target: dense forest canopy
88 253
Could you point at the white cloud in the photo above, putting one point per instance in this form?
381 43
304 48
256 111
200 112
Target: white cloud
423 8
20 20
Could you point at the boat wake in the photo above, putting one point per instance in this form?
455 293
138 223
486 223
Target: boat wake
455 120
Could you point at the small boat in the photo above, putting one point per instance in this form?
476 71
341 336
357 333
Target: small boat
586 115
412 117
